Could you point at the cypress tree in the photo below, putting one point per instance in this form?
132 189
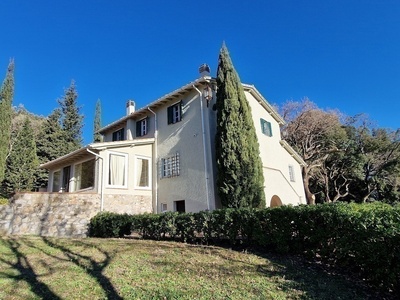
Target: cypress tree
240 177
97 123
72 120
6 97
22 162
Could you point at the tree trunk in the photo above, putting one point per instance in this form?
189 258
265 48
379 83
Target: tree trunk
310 197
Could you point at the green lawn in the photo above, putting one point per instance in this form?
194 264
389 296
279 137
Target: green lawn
53 268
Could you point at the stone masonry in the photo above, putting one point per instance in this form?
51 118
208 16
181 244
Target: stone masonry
62 214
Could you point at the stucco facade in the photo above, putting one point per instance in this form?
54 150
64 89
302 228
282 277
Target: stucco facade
164 153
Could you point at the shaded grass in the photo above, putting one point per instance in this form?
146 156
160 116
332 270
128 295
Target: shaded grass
53 268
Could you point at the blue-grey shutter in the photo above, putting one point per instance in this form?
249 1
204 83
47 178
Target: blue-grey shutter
269 129
147 125
138 128
170 114
262 122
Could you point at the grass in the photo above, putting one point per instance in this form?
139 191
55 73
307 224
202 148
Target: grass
55 268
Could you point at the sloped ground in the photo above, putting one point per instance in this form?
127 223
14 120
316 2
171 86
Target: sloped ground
55 268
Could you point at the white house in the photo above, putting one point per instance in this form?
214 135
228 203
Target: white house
161 157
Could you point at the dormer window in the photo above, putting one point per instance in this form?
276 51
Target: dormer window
118 135
175 113
142 127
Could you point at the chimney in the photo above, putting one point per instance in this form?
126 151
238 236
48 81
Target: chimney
130 107
204 70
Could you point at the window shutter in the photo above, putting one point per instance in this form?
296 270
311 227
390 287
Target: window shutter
138 126
262 122
269 129
170 114
147 125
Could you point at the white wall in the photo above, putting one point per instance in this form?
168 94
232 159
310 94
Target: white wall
276 160
184 137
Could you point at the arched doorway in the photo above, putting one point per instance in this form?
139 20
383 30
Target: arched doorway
275 201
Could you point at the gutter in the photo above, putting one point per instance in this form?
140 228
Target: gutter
204 145
102 179
155 154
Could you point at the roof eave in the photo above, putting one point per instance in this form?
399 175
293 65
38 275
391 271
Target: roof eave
260 98
176 94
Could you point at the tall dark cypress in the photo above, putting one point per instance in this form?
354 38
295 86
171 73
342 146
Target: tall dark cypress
240 177
6 98
97 122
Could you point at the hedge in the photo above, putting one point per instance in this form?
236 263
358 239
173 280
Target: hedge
360 237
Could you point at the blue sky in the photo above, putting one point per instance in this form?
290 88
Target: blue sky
340 54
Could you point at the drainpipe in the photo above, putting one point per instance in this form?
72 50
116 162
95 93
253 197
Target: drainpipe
204 145
155 154
102 183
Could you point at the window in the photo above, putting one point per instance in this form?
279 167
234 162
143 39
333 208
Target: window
175 113
179 206
56 181
170 166
142 172
142 127
118 135
266 127
291 173
164 207
117 170
66 177
84 175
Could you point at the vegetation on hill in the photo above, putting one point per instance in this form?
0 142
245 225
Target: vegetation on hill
6 98
347 159
32 140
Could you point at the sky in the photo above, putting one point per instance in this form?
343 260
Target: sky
341 54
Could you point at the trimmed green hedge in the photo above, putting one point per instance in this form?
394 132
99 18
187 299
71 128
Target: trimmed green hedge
360 237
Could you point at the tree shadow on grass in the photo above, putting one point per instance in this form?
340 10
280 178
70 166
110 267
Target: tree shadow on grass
26 272
319 281
89 265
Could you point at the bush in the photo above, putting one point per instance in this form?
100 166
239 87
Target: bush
108 225
359 237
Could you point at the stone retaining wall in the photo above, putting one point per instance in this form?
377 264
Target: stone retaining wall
62 214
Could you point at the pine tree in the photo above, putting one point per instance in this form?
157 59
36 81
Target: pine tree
6 97
50 144
22 162
240 177
97 123
72 120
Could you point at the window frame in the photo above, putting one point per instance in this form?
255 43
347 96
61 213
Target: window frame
266 127
163 207
174 113
118 135
138 187
142 127
126 166
59 171
75 175
292 176
170 166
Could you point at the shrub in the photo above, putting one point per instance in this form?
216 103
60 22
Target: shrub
360 237
107 225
